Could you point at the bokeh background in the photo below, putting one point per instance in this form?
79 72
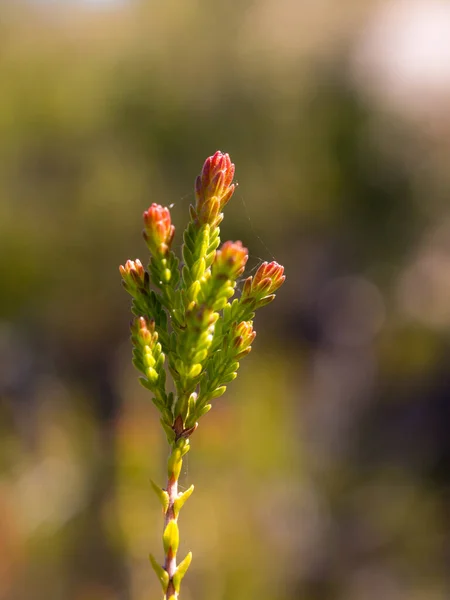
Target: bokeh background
324 472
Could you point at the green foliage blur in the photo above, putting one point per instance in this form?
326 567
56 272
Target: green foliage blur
324 472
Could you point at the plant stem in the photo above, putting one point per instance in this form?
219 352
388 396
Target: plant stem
174 501
170 563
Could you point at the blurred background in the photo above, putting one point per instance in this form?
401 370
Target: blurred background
324 472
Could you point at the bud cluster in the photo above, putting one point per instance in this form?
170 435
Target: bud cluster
260 289
133 275
158 229
214 188
188 316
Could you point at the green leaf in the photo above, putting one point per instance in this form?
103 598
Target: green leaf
174 463
220 391
170 433
171 537
146 383
181 572
204 410
185 447
163 496
179 502
198 268
161 573
229 377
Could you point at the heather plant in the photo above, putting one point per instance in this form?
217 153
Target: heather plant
186 321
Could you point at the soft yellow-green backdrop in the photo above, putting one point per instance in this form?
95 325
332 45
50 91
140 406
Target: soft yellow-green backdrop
324 472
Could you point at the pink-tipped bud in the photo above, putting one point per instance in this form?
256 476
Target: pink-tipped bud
158 229
242 338
144 330
230 260
268 278
214 187
133 274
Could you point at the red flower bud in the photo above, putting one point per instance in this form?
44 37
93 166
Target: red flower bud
268 278
230 260
213 187
158 229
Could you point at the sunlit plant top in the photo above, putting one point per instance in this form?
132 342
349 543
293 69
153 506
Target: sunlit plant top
187 321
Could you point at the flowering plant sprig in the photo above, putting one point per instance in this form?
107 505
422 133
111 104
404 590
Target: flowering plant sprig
185 320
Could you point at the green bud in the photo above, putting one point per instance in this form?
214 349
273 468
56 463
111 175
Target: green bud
152 374
195 370
148 357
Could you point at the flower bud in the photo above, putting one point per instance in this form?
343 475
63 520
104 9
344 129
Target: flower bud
158 229
214 187
144 331
230 260
133 274
268 278
242 337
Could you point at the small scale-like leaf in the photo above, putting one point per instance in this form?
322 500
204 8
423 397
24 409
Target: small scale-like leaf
158 404
181 571
229 377
220 391
186 274
198 268
204 410
200 356
174 463
163 496
187 255
185 448
179 502
265 301
161 573
171 537
193 289
170 433
146 383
